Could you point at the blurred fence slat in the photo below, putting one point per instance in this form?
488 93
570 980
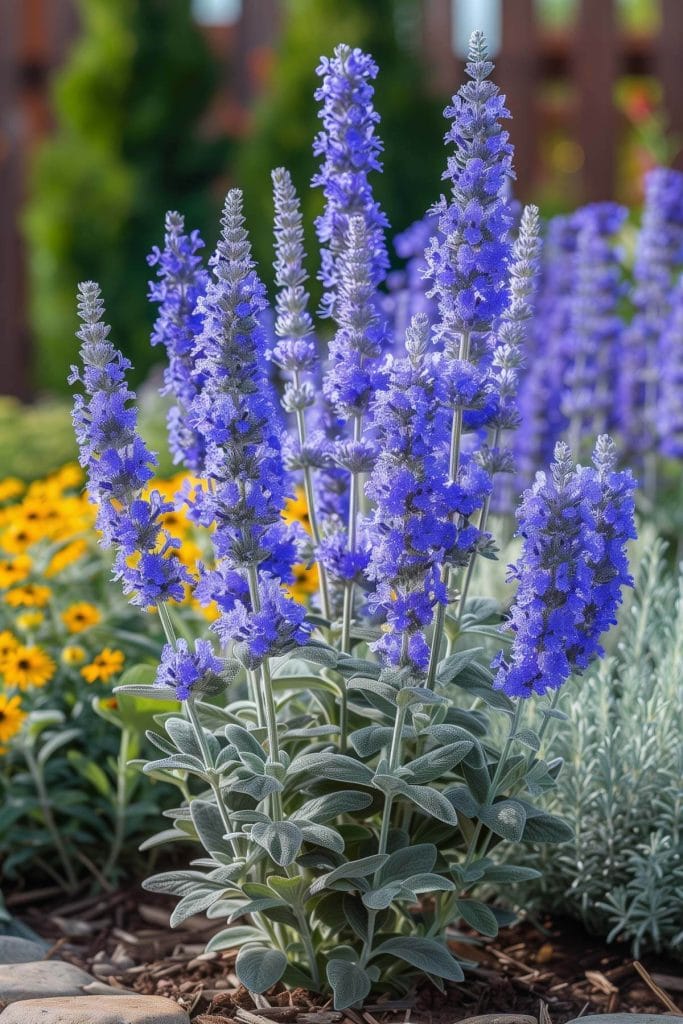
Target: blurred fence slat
596 57
669 67
517 74
13 327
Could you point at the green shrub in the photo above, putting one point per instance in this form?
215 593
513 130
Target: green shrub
622 783
126 149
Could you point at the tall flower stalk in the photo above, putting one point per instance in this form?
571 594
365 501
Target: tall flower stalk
467 260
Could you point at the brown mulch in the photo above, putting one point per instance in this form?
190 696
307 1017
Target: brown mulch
548 973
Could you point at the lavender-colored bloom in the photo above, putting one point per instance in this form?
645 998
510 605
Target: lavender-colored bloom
595 325
271 628
407 288
659 259
670 405
119 464
350 149
182 280
188 672
354 374
467 261
410 529
235 414
575 524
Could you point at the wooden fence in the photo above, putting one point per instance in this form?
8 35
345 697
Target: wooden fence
35 36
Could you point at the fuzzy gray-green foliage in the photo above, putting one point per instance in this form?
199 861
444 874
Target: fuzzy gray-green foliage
622 783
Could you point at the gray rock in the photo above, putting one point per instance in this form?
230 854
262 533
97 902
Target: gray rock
111 1009
45 978
14 950
624 1018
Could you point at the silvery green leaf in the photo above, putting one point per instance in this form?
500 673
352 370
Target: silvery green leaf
300 683
291 890
324 808
478 610
547 828
506 819
426 798
349 983
177 762
256 907
529 738
510 873
337 767
561 716
227 756
435 763
311 731
462 800
474 721
160 742
318 654
175 883
428 882
167 835
322 835
209 824
150 692
252 762
409 860
244 740
258 786
478 916
380 899
494 698
418 695
370 739
182 734
233 937
374 686
425 954
53 744
351 869
477 779
360 666
454 664
195 902
259 968
281 839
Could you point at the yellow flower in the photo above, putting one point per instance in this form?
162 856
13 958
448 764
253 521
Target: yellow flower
296 509
305 582
73 654
31 595
11 717
19 535
66 556
11 487
28 666
14 570
80 616
108 663
69 476
8 643
29 620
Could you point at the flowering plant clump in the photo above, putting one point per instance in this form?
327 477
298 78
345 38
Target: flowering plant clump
339 761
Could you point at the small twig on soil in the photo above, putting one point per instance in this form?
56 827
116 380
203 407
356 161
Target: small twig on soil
659 992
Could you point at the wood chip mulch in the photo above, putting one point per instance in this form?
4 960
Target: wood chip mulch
545 974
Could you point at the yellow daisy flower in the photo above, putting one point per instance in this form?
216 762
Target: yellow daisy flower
14 570
69 476
66 556
19 535
73 654
28 666
29 620
80 616
31 595
108 663
10 488
8 643
305 582
11 717
296 509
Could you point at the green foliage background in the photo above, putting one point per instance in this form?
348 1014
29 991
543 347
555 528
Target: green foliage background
126 149
286 121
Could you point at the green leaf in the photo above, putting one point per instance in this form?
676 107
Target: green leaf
547 828
428 882
351 869
283 684
410 860
435 763
380 899
324 808
373 686
349 983
454 664
53 744
478 916
258 968
337 767
322 835
281 839
291 890
462 800
506 819
182 734
529 738
425 954
511 873
209 825
233 937
429 800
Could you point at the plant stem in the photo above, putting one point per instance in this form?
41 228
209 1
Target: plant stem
49 819
453 470
268 702
312 514
120 804
483 519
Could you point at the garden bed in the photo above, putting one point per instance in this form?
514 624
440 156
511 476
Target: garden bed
553 970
